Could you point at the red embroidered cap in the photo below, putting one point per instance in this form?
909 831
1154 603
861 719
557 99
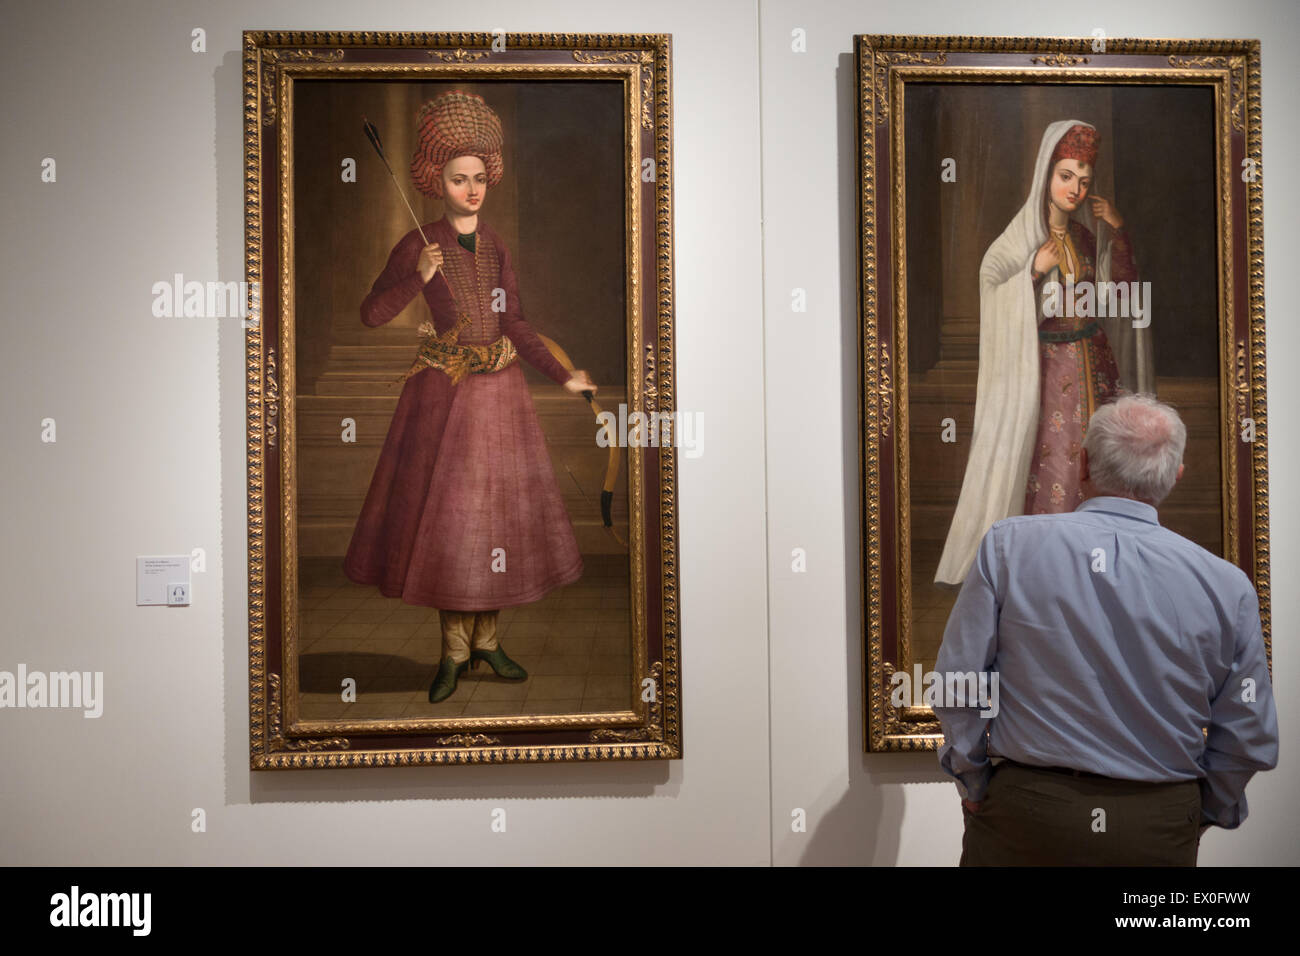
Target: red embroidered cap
1079 143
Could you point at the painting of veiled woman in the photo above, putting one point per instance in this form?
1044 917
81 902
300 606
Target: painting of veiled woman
1059 269
1044 368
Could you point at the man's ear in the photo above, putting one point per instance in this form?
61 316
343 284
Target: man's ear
1179 476
1083 465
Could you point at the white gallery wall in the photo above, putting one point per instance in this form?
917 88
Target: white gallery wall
150 457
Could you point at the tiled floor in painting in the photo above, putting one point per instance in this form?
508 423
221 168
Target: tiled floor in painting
575 644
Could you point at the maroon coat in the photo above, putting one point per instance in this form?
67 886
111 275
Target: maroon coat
463 512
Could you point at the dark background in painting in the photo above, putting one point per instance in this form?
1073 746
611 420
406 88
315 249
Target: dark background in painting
1157 165
559 208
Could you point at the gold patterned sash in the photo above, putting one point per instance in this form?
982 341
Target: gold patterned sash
443 352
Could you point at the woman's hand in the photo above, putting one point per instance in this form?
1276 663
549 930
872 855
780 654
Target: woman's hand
430 261
580 382
1047 257
1102 209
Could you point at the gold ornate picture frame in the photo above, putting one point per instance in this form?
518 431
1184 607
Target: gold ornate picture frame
581 217
947 133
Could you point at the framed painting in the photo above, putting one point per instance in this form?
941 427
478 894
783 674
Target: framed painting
963 422
459 249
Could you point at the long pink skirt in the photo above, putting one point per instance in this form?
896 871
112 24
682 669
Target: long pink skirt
1053 486
463 511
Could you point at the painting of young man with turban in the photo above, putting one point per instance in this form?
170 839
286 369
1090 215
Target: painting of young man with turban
471 541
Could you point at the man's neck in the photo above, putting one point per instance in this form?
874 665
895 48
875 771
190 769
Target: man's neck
1089 493
463 224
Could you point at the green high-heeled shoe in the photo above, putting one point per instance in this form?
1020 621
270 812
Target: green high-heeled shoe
444 685
500 663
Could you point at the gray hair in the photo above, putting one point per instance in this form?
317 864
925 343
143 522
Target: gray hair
1135 445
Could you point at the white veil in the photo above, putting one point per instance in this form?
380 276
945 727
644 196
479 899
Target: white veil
1007 390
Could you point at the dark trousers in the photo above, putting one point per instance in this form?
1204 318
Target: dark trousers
1040 817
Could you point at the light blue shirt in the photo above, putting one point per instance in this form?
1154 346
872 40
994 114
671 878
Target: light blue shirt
1115 642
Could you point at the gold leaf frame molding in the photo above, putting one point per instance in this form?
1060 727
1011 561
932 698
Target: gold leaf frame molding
651 728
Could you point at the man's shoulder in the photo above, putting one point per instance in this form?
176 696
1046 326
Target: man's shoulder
412 241
487 232
1069 524
1039 524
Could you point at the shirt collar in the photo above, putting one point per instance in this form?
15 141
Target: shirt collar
1127 507
449 238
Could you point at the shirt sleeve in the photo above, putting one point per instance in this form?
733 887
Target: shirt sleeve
970 643
516 327
1242 736
397 285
